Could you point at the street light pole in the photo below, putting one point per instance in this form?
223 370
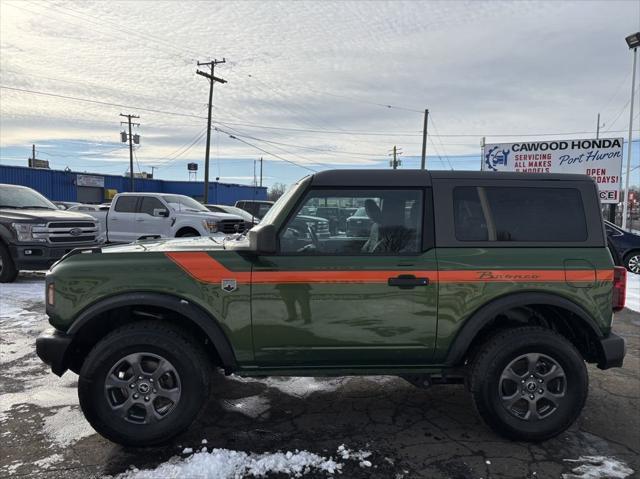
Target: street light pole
633 41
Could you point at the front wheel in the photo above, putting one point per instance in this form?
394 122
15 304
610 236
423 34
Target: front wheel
144 383
529 383
8 271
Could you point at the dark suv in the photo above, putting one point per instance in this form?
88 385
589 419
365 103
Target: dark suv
34 233
500 281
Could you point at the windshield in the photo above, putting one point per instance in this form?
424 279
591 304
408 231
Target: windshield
238 212
184 203
23 198
275 209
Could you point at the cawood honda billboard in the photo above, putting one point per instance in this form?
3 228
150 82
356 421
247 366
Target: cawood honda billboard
599 158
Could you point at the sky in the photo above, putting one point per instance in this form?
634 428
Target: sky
310 85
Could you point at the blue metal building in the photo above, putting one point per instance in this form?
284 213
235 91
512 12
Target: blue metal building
58 185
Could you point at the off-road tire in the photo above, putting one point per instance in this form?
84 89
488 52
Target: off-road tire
158 338
8 271
497 353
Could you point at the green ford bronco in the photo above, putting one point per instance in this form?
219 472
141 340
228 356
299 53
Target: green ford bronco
499 281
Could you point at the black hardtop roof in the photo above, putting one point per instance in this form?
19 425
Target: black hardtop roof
409 178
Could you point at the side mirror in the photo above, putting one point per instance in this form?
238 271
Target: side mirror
161 212
262 239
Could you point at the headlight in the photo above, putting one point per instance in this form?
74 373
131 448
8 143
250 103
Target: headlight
210 225
30 232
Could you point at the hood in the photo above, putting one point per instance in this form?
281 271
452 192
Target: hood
209 215
28 216
201 243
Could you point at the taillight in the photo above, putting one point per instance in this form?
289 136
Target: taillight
619 288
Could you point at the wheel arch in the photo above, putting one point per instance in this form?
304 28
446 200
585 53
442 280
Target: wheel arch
92 321
187 229
487 319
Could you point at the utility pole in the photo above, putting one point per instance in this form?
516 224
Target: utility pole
212 79
255 180
395 162
130 137
153 168
261 172
598 127
625 204
32 160
423 164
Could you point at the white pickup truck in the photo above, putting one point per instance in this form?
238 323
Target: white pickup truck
134 216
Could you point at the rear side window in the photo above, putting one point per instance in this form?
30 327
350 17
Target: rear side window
126 204
519 214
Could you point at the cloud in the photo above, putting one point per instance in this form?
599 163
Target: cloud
482 68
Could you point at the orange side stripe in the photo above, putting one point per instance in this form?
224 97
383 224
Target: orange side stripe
206 269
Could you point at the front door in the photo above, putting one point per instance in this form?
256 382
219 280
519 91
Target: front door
148 220
121 220
343 300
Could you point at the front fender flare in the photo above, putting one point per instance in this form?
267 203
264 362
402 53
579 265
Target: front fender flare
481 317
193 312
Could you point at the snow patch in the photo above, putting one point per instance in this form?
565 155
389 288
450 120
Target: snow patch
67 426
252 406
633 291
49 461
598 467
228 464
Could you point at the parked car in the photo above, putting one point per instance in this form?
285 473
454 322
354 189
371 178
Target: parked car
133 216
65 205
99 213
257 208
249 220
359 224
34 233
500 281
626 245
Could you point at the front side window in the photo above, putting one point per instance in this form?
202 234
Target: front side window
149 204
382 222
519 214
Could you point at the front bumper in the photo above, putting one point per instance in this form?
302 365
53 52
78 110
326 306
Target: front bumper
39 256
52 346
613 349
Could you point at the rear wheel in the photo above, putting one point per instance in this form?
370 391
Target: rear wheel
529 383
632 262
144 383
8 271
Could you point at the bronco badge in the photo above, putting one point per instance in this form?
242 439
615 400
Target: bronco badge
229 285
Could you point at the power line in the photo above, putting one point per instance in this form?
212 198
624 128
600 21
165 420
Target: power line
185 150
282 128
265 151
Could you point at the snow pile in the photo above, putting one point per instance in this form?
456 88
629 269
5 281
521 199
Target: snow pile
360 456
633 291
598 467
228 464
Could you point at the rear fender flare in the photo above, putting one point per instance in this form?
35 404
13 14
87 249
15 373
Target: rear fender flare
480 318
186 308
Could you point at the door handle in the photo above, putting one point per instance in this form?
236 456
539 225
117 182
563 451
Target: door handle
407 281
140 219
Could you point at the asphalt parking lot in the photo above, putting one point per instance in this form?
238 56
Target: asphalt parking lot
410 432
